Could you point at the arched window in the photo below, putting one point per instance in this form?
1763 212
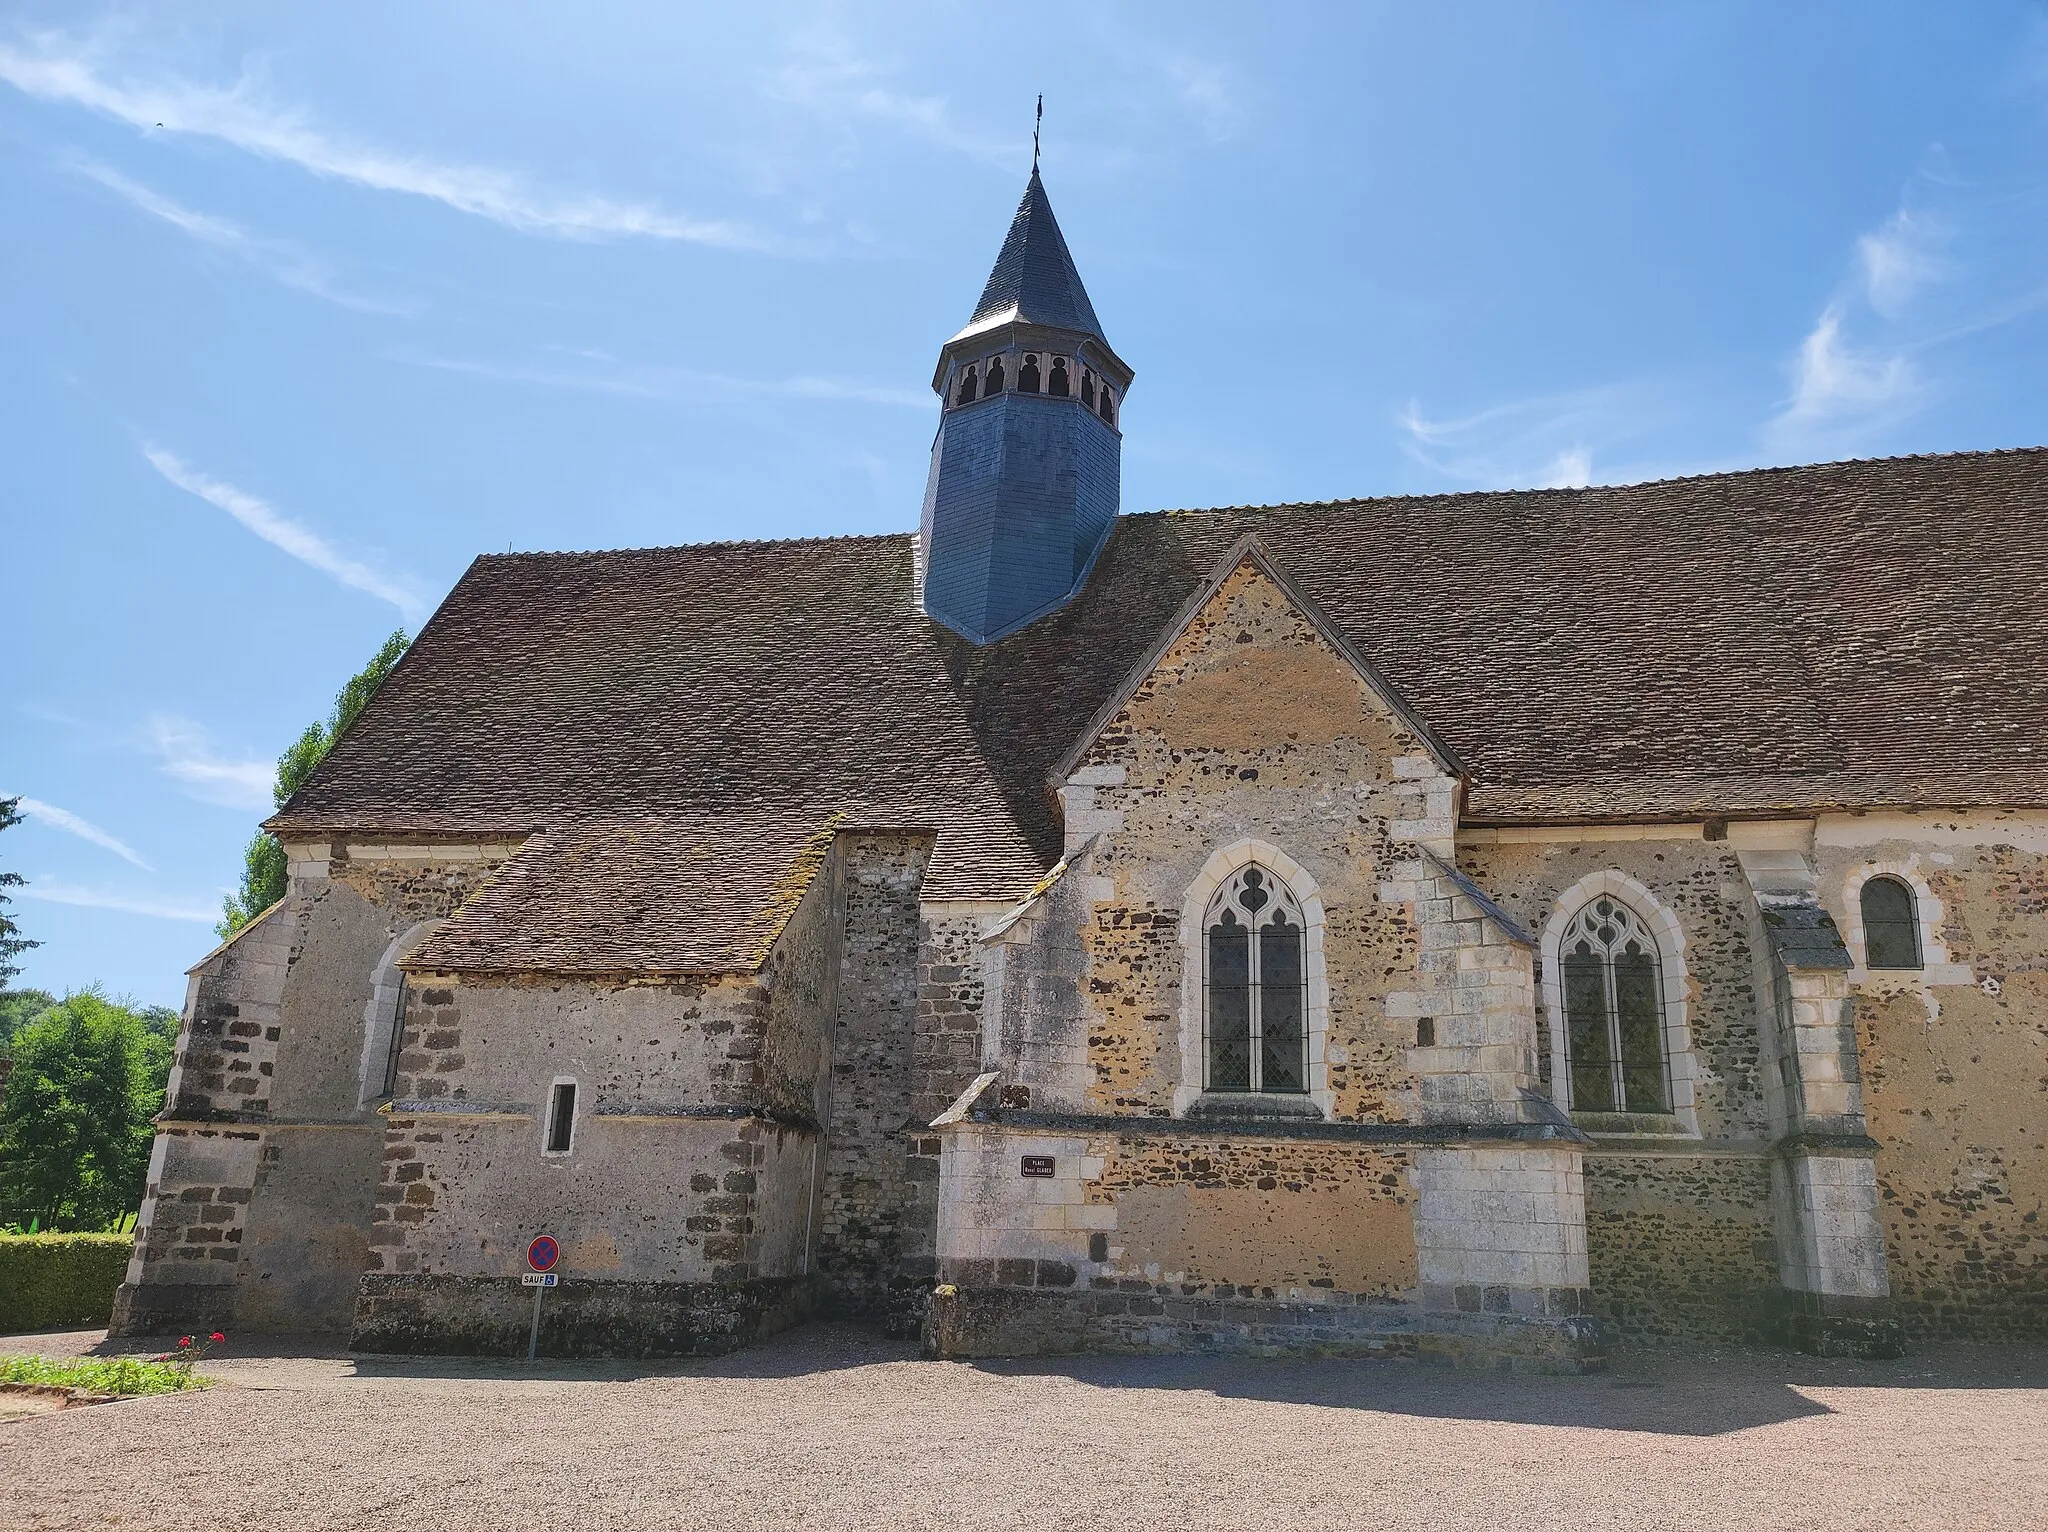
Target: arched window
1057 384
1088 388
384 1016
1614 1011
967 386
1891 926
1027 375
995 377
1106 409
1255 1000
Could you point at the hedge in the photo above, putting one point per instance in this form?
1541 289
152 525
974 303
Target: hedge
60 1281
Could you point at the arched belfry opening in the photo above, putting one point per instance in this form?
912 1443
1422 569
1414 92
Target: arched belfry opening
1026 466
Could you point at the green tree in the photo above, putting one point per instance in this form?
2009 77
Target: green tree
263 864
75 1116
12 942
19 1007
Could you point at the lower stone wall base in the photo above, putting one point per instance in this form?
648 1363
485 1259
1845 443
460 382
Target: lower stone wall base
490 1316
166 1308
1825 1324
895 1303
966 1322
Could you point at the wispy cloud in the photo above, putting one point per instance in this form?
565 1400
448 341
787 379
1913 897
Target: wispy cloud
1954 260
84 829
185 754
1836 385
1542 443
55 892
280 531
1898 259
59 70
1207 88
280 260
823 72
597 372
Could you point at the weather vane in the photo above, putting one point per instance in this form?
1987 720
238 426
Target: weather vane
1036 123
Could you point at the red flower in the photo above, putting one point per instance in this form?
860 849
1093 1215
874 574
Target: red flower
217 1338
184 1341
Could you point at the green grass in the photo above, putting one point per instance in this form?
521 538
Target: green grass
100 1374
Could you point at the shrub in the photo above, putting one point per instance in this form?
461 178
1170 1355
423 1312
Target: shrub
51 1281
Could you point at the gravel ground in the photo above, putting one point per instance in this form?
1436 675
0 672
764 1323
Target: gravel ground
830 1427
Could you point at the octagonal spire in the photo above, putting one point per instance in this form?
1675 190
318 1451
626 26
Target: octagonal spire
1034 281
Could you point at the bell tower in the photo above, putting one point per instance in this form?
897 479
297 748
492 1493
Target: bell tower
1024 480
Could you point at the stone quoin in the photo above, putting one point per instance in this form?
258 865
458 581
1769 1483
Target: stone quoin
1475 926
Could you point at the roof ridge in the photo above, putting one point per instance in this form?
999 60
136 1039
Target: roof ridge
702 547
1581 489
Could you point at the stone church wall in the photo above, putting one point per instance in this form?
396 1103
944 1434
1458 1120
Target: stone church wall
861 1211
1679 1243
686 1205
1955 1068
1250 728
268 1149
1163 1216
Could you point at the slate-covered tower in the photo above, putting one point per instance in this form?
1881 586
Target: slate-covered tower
1025 469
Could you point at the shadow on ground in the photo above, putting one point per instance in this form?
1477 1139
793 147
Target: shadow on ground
1697 1391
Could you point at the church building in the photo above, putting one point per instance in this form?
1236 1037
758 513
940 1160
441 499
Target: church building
1480 927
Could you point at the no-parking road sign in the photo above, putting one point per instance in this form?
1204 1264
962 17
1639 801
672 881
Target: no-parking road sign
542 1254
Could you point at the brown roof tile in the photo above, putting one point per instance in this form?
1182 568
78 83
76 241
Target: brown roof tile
1850 635
643 896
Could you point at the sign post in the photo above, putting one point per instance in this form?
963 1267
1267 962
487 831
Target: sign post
541 1255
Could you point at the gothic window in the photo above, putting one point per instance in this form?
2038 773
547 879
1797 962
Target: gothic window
1057 385
967 385
995 377
1255 999
1614 1012
1891 926
1027 375
1106 409
1087 388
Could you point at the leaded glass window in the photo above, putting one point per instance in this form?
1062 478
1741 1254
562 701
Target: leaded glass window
1256 991
1614 1012
1891 926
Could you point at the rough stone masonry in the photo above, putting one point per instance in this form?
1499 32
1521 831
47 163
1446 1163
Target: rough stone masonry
1473 927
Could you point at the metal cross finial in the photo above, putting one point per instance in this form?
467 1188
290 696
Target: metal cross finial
1036 123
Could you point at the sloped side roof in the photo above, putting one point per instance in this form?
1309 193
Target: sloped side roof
1034 279
1851 635
644 896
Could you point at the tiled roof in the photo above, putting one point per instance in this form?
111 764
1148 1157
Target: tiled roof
1851 635
639 896
1034 279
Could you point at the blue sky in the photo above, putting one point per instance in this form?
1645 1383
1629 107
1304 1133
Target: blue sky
302 307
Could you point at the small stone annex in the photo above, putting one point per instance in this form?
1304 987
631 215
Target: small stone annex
1477 926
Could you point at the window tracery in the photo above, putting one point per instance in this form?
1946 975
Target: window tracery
1255 1000
1614 1011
